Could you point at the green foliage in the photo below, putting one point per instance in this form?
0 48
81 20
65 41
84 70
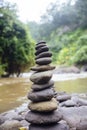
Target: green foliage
64 29
65 46
82 41
66 54
16 44
80 57
2 69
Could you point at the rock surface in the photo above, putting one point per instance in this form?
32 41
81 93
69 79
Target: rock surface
57 126
44 61
44 106
75 116
11 125
37 87
64 97
40 45
41 77
43 68
42 49
44 54
43 118
44 95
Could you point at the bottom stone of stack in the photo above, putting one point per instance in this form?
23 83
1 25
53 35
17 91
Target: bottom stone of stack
43 118
56 126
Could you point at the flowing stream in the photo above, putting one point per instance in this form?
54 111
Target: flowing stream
13 91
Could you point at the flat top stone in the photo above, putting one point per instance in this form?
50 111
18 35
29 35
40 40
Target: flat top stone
45 106
41 42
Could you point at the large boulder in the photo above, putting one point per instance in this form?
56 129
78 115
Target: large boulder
76 117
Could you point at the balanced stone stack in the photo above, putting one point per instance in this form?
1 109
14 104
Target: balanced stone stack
43 114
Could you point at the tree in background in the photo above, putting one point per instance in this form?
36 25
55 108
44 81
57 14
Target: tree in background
16 44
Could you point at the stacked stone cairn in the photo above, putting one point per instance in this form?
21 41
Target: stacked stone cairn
43 114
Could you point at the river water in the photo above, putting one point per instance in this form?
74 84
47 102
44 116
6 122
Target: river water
13 91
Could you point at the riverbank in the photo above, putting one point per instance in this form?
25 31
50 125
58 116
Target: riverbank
72 107
15 89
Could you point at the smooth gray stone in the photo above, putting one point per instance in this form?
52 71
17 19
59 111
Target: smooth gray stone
43 68
82 125
41 77
44 54
79 101
42 95
44 61
68 103
42 49
44 106
37 87
56 126
43 118
40 45
2 119
64 97
75 116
